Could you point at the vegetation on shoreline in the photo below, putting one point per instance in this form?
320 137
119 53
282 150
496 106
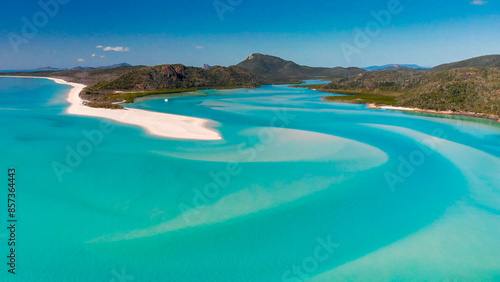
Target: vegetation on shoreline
309 86
353 96
362 98
129 97
103 105
474 90
114 99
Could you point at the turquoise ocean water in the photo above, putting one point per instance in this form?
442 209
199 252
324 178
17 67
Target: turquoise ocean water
299 189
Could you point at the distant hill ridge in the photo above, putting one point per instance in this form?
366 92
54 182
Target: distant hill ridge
489 61
272 67
102 67
395 67
48 68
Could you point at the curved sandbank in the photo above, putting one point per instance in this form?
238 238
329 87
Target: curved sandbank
158 124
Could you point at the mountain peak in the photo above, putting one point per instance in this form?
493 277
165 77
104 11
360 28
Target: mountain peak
259 56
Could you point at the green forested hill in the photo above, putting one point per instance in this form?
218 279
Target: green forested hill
272 67
490 61
180 76
378 81
166 79
460 90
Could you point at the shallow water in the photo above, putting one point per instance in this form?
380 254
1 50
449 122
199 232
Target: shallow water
298 189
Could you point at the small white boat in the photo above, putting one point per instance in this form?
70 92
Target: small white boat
166 100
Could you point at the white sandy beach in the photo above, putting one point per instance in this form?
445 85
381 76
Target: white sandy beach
374 106
159 124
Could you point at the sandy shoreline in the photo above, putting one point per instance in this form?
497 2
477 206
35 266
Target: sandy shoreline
158 124
467 114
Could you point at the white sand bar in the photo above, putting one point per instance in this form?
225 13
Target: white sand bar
159 124
397 108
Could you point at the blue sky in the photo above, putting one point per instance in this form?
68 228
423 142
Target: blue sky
194 32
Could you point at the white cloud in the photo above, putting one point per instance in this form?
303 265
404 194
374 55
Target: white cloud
99 46
199 47
81 60
93 55
479 2
102 56
117 49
